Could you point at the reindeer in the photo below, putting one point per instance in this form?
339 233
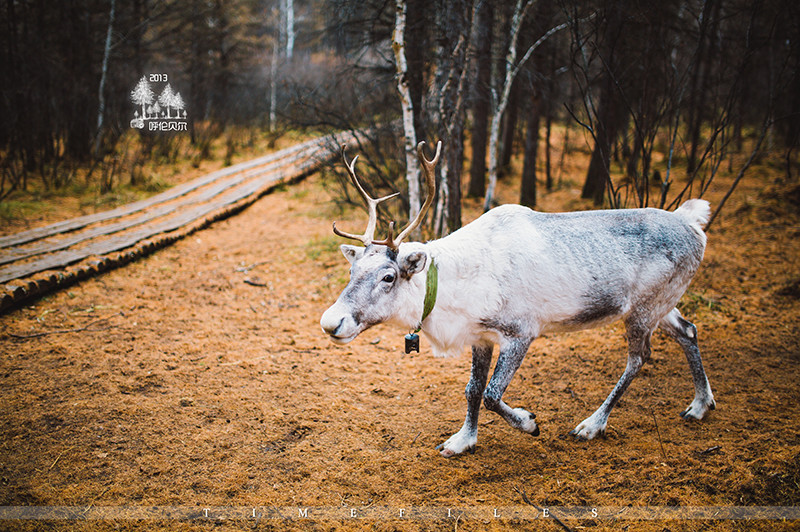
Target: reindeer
514 274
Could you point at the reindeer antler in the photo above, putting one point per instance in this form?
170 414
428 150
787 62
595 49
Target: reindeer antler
428 169
372 206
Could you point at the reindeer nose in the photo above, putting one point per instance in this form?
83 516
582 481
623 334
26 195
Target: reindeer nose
330 324
332 330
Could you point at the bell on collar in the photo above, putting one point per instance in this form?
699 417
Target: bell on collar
412 342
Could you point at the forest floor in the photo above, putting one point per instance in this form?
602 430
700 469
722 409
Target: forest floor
198 377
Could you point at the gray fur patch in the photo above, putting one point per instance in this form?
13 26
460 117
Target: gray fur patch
600 304
507 329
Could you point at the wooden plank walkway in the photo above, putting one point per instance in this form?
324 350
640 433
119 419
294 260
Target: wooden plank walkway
39 260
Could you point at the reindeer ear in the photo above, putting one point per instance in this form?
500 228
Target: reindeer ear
413 263
352 253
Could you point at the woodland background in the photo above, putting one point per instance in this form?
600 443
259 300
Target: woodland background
198 375
654 90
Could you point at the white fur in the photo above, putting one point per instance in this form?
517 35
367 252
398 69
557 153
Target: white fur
514 274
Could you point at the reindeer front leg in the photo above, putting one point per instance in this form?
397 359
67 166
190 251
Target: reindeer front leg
466 438
509 360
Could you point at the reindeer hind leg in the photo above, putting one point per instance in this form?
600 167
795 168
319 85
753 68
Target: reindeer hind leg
638 353
685 333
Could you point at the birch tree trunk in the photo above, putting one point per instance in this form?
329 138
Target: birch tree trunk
412 165
101 111
456 27
289 29
273 97
501 103
273 67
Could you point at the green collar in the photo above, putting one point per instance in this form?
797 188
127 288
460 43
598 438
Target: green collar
431 288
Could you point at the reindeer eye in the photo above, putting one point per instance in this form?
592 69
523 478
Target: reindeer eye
388 278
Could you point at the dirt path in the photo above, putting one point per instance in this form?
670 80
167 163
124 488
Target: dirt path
38 260
198 377
42 259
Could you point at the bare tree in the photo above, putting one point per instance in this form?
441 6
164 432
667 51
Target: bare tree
690 75
534 83
409 131
101 92
481 96
500 102
282 48
454 24
290 32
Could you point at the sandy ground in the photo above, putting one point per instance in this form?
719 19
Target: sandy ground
199 377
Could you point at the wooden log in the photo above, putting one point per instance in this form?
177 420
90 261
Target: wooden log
158 211
168 195
107 250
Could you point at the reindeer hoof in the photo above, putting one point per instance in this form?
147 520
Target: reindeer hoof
587 431
527 422
579 436
459 443
449 453
697 410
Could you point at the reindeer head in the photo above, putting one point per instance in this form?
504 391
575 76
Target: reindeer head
383 282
